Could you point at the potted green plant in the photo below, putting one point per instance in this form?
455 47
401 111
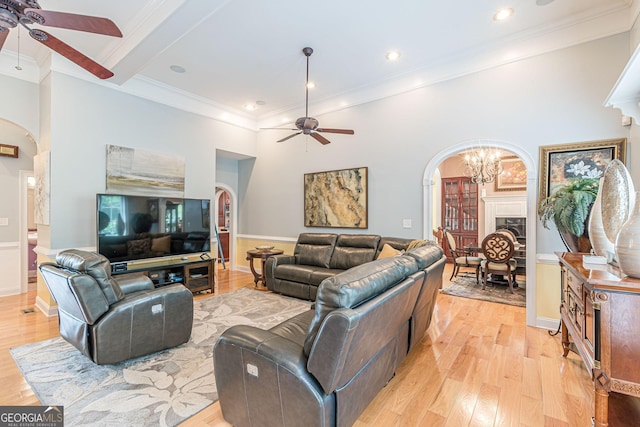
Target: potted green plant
568 208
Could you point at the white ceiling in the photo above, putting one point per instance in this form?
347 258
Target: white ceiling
241 51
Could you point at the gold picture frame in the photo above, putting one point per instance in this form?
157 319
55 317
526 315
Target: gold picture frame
336 199
513 176
559 163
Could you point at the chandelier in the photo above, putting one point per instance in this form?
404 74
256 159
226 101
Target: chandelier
482 165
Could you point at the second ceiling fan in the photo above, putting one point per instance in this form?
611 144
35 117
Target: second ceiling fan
308 125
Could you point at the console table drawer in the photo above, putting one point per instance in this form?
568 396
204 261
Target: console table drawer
573 282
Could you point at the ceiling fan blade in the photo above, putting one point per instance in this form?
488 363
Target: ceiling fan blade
71 21
328 130
321 139
3 37
70 53
290 136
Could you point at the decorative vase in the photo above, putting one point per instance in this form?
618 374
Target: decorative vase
627 245
599 241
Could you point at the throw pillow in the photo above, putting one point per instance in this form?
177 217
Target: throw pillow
388 252
161 244
138 247
417 243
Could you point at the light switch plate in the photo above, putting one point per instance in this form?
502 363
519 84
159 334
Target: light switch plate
4 221
406 223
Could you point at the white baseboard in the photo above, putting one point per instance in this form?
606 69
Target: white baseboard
45 308
547 323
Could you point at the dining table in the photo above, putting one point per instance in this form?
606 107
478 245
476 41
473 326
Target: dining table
519 253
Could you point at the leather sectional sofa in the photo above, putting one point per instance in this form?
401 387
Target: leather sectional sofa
324 366
318 256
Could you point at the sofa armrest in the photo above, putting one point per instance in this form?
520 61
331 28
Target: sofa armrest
271 264
130 283
278 350
261 375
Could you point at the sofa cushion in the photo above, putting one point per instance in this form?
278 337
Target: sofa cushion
95 265
296 328
294 272
315 248
353 249
356 286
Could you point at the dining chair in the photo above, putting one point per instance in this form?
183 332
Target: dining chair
461 257
510 234
498 250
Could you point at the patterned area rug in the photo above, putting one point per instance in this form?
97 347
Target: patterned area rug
163 388
466 287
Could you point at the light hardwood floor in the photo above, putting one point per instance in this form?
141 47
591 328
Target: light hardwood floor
478 365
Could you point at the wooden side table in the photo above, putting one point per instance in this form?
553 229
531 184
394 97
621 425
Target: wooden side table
262 255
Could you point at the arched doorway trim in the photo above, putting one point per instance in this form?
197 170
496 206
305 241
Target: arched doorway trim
233 231
532 191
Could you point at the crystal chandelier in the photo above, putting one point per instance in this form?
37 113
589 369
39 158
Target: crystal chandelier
482 165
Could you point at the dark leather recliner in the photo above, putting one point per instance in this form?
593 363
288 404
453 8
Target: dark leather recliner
110 320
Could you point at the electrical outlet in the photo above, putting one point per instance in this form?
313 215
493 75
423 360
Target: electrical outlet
252 370
406 223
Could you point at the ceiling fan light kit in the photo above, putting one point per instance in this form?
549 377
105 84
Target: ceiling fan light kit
29 12
308 125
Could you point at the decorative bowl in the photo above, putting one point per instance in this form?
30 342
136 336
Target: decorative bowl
264 248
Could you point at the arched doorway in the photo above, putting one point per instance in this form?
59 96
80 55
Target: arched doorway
226 218
428 208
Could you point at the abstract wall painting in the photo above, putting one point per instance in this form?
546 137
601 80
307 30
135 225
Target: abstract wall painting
336 199
133 171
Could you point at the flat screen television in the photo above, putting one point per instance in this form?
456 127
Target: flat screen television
141 227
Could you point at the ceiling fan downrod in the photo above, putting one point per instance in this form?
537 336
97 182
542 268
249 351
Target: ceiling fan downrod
307 52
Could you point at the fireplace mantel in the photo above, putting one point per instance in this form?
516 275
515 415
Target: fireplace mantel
502 207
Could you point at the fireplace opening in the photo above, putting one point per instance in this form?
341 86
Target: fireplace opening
517 225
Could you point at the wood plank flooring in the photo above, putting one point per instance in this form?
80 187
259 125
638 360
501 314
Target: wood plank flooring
478 365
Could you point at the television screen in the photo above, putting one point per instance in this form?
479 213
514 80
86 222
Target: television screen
140 227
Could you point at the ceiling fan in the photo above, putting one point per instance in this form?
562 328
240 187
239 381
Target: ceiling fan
27 12
308 125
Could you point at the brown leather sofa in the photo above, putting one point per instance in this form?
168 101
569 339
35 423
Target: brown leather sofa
110 320
324 366
318 256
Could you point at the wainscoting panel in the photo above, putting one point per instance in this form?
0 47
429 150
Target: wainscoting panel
10 267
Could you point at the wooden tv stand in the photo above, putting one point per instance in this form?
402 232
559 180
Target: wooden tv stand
197 276
600 313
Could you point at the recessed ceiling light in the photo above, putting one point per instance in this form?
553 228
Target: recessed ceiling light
261 102
503 14
311 85
250 107
543 2
177 69
393 55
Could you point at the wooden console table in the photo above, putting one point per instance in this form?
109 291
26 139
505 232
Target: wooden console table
600 313
197 276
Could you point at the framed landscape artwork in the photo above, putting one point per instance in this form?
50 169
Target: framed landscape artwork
336 198
560 163
513 176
